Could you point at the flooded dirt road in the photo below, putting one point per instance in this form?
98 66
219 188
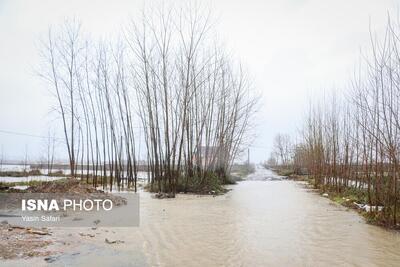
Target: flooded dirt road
264 221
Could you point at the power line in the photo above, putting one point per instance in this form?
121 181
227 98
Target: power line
30 135
61 139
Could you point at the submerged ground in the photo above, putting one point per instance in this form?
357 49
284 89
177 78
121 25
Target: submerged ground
263 221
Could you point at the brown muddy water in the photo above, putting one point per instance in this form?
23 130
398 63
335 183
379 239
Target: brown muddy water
264 221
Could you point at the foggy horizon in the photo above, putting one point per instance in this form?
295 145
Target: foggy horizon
293 52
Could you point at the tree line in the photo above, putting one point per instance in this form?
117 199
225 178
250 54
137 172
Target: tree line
351 141
166 83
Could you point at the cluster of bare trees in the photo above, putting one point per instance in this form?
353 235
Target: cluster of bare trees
282 151
90 84
167 75
195 104
356 143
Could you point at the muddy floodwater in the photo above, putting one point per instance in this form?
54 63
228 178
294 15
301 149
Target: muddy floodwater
264 221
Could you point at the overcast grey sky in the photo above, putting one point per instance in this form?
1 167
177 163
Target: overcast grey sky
293 50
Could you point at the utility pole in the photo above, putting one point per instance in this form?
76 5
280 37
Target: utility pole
248 157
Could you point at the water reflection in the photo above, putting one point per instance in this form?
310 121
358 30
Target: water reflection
266 221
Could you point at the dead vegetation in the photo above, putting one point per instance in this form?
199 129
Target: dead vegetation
68 188
350 142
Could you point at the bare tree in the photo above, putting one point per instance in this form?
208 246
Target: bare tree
354 144
283 148
62 52
193 104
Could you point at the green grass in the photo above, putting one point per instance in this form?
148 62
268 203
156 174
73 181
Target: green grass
209 184
339 200
285 172
347 196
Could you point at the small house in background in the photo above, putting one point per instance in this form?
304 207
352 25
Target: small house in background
210 156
